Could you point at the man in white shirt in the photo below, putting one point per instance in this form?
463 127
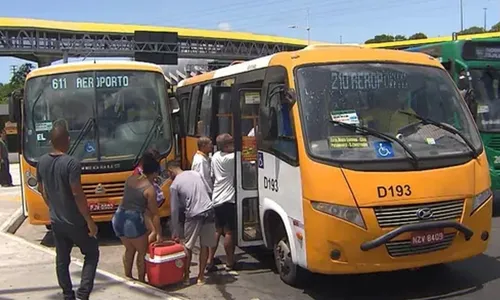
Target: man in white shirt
223 197
202 163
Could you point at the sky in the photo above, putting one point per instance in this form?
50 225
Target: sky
349 21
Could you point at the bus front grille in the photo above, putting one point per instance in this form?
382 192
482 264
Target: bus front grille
494 143
405 248
399 215
104 190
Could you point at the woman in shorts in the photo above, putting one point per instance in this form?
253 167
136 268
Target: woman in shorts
129 220
160 198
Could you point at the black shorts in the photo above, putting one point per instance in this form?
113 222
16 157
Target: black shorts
225 216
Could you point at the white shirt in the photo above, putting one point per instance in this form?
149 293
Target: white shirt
201 164
223 170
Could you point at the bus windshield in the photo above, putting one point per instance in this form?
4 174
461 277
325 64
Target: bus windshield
486 90
111 115
375 96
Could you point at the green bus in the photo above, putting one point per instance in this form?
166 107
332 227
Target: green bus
475 66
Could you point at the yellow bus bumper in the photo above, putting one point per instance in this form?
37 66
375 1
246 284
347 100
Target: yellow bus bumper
335 246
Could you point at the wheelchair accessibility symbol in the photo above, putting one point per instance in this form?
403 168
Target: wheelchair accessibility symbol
89 147
384 149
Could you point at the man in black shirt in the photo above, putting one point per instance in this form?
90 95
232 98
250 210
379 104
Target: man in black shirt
58 176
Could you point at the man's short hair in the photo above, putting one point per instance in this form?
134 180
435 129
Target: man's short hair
203 141
224 140
173 164
59 134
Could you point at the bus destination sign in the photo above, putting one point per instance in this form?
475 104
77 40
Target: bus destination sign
475 50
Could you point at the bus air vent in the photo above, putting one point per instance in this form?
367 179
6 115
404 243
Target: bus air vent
399 215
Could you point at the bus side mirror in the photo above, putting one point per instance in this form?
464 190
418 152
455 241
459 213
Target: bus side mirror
463 83
15 99
471 102
174 105
291 96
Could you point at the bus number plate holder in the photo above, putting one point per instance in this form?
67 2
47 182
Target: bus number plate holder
421 238
100 206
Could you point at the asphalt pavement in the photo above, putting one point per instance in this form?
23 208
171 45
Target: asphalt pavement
27 269
476 278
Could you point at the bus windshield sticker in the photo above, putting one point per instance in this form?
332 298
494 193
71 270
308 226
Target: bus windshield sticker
338 142
369 80
430 141
384 149
249 148
252 97
89 147
345 116
260 158
43 126
40 137
483 109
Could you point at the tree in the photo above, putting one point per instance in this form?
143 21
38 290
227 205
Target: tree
16 82
400 38
472 30
19 76
495 27
381 38
417 36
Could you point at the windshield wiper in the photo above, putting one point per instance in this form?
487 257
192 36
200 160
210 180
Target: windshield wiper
86 128
153 128
443 126
381 135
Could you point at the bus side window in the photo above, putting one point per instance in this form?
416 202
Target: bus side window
194 109
184 105
276 123
205 117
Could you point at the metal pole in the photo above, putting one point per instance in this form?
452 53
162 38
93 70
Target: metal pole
308 29
65 57
485 9
341 39
461 15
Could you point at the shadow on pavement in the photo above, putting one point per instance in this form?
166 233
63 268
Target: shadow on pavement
434 282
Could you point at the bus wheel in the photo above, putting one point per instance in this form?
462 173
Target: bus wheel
49 227
289 272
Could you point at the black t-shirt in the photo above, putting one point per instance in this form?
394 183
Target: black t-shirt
57 173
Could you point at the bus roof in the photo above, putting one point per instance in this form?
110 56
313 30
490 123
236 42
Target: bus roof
323 54
92 65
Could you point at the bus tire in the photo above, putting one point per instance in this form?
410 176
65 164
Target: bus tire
289 272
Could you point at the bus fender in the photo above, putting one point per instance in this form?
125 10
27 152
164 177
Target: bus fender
270 205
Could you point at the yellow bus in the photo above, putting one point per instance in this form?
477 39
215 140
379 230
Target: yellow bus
114 110
362 160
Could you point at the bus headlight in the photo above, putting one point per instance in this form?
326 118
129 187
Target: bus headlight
31 180
480 198
347 213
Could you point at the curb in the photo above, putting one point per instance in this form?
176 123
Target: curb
130 283
13 222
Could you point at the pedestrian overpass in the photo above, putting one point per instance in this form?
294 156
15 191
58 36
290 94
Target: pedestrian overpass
45 41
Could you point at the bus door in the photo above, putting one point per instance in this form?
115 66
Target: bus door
246 100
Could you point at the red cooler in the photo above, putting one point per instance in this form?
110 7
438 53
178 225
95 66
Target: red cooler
165 263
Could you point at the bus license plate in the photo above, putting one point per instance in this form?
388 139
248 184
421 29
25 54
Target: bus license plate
420 238
100 206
